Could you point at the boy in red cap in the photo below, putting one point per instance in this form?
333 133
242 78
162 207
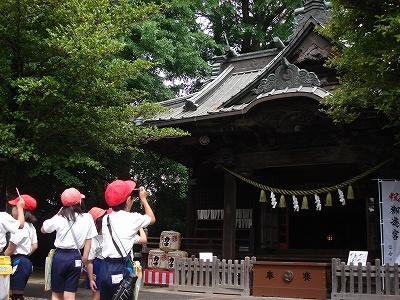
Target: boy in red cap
119 229
95 255
74 231
22 244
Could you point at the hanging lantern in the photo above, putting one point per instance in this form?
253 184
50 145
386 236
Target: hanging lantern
350 193
328 201
263 197
304 203
282 201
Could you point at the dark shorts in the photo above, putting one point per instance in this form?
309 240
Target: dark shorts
65 270
111 271
97 264
23 269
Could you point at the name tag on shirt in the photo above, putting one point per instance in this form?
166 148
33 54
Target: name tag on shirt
116 278
78 263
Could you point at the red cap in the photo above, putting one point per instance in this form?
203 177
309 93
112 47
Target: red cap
118 191
71 197
97 212
30 202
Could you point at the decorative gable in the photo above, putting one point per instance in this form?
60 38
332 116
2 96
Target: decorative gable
287 75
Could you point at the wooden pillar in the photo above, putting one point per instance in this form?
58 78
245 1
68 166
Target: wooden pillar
229 230
191 208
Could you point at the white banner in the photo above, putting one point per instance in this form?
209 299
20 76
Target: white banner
390 212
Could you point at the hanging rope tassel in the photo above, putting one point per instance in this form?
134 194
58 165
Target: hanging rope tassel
350 192
295 203
263 197
304 204
282 201
341 197
318 205
273 200
328 201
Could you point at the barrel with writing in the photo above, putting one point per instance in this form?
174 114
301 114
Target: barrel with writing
170 241
173 255
157 259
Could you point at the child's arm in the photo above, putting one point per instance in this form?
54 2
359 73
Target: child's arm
34 248
21 214
86 249
147 209
89 268
10 249
142 238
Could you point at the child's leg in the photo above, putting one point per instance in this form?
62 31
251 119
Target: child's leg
56 296
69 296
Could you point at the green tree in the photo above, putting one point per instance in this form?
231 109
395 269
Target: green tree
167 182
177 48
67 105
249 25
366 57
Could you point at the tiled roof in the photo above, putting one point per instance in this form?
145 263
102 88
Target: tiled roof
222 96
178 115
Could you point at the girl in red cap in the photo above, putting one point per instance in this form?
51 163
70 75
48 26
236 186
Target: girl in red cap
22 244
95 255
74 231
119 229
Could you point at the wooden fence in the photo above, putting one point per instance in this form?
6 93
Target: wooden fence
218 276
367 282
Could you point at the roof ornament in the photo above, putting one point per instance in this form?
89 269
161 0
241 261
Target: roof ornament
190 105
287 75
317 9
229 51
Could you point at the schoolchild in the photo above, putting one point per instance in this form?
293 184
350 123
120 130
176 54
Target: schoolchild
74 231
9 224
123 225
95 253
23 243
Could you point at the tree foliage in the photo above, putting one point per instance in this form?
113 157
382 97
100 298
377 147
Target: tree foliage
168 182
65 92
367 39
177 48
249 25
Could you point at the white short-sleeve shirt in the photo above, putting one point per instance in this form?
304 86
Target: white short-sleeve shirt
7 224
125 226
24 238
83 228
96 248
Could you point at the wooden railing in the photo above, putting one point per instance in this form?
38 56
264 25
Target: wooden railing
218 276
367 282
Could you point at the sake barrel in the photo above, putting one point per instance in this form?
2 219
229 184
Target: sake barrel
170 241
171 256
157 259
